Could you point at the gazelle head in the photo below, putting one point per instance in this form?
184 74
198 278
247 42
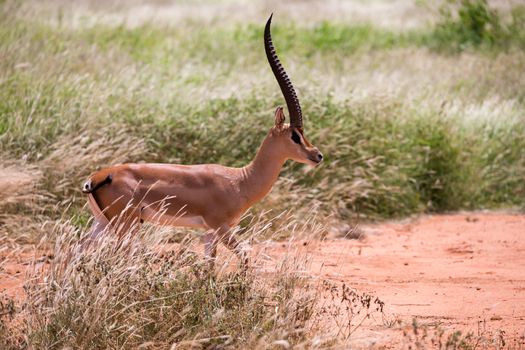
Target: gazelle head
294 144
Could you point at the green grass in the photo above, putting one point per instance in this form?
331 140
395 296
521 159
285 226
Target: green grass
384 157
468 24
478 27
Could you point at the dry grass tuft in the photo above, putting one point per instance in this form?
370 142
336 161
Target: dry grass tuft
22 201
18 183
139 291
127 293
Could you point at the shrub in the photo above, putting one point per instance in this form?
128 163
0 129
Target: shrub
467 24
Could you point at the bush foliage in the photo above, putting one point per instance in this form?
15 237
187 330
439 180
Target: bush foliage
473 23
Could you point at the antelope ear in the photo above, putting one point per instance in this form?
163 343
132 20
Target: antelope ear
279 116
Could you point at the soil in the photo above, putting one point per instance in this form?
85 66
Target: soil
461 272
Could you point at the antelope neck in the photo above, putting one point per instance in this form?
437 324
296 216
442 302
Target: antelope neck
259 176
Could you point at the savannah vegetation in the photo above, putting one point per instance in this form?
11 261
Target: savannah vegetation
423 118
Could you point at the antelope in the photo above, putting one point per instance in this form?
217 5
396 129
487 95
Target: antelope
212 197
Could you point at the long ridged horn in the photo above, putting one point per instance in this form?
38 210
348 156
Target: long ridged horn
294 108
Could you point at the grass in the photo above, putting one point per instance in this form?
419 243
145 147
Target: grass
386 156
432 336
473 23
428 119
131 294
142 291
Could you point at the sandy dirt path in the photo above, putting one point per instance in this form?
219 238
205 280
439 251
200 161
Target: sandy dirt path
457 272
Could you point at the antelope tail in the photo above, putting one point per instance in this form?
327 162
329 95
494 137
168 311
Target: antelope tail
91 186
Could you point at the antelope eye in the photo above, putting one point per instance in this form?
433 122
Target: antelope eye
295 137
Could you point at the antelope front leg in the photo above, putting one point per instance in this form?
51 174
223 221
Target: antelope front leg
229 241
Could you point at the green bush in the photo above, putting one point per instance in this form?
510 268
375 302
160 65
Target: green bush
468 24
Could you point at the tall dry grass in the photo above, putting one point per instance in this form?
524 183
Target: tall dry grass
406 128
135 292
22 201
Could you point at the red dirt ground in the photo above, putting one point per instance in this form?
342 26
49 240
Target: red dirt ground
459 272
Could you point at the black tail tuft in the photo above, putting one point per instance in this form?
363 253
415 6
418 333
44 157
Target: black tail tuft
90 186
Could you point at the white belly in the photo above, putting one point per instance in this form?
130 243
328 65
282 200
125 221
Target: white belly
181 220
190 221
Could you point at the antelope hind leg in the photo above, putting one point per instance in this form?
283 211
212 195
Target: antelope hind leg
98 228
210 247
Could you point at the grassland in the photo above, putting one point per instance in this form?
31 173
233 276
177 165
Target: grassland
428 118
